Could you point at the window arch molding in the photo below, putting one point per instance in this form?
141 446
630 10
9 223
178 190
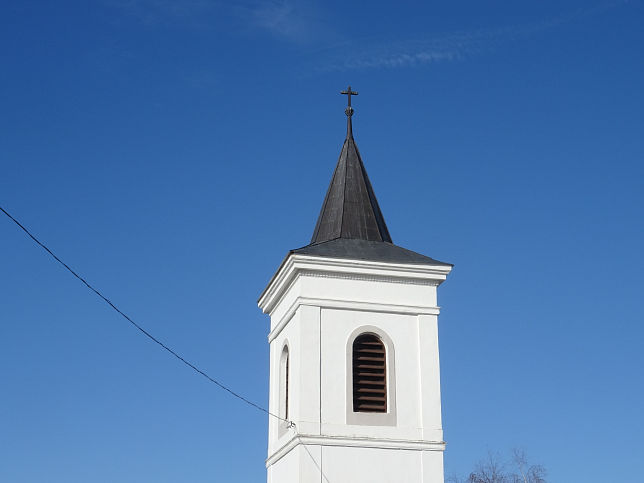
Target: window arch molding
368 418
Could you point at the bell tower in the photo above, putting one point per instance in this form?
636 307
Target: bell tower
354 365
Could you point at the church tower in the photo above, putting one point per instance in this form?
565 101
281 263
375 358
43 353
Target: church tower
354 367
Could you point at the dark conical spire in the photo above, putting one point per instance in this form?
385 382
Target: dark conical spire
350 209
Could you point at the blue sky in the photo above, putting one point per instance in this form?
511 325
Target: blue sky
172 152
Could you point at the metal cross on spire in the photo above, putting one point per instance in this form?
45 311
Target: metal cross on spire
349 110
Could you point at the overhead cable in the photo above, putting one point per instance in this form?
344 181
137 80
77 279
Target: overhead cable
138 327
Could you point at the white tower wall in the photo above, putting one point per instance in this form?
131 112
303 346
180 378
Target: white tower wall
317 307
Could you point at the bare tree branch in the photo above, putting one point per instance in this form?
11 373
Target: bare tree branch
494 470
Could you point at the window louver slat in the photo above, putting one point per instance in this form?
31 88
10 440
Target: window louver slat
369 375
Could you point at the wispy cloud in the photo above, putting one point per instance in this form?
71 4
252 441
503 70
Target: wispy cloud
300 21
386 53
296 21
279 18
403 59
378 53
306 23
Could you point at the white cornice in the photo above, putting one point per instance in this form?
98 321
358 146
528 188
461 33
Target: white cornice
297 265
354 442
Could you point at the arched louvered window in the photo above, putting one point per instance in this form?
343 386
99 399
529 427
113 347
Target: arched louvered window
369 375
286 389
284 374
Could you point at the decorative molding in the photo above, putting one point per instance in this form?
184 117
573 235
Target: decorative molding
354 442
368 278
282 451
349 305
283 321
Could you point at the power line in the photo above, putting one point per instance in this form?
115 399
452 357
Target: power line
138 327
318 466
